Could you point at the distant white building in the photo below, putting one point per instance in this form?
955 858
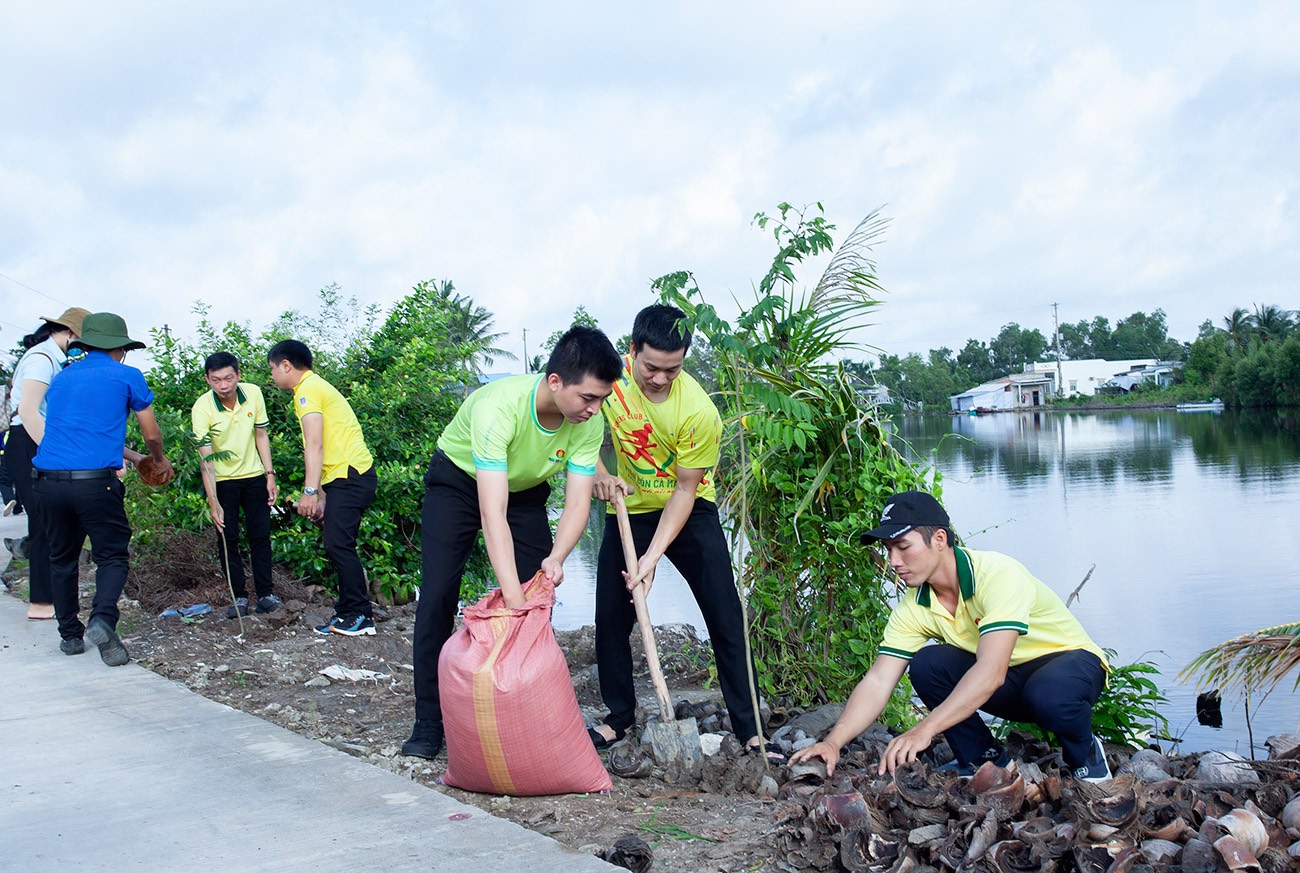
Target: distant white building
1086 376
1038 383
1017 391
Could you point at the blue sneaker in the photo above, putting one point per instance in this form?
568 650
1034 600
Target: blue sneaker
349 626
1095 769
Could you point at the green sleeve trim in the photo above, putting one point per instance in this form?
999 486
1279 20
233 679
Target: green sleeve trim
1017 626
896 653
489 464
583 469
262 424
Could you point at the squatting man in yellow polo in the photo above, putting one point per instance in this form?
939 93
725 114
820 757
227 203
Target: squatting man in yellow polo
1005 644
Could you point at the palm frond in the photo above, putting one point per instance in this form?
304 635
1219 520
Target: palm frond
1256 661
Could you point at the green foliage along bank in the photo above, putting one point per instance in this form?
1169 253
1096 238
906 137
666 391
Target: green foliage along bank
806 465
404 377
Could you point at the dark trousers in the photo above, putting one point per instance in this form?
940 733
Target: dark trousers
1055 692
450 522
700 554
73 510
20 448
346 501
250 495
7 491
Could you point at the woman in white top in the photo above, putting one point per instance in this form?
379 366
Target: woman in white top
46 355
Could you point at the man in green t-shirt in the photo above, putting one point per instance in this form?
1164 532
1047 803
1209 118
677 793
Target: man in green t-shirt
489 473
230 425
666 434
1006 645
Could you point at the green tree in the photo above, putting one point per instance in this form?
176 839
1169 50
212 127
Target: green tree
1014 348
808 464
978 363
1145 336
469 326
1272 323
1237 326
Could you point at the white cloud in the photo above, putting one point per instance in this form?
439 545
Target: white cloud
1108 158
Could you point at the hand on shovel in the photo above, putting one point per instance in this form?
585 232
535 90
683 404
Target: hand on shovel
645 575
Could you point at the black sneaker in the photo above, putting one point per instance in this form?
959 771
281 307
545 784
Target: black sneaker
238 608
268 603
1095 769
426 739
110 647
73 646
352 626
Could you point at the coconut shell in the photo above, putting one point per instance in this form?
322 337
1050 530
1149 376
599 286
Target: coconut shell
151 472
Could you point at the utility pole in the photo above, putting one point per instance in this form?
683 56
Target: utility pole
1056 317
526 367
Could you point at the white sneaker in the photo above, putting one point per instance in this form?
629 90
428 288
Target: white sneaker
9 508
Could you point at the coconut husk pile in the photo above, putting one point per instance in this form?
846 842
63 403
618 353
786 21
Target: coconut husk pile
1199 814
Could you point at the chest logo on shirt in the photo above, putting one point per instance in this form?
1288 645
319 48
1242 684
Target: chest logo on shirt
302 401
557 457
635 445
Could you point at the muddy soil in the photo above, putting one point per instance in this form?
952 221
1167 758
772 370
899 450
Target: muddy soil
272 668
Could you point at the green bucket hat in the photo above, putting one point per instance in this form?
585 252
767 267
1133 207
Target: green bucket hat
105 331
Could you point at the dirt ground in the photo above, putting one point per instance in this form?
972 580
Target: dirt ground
726 820
272 669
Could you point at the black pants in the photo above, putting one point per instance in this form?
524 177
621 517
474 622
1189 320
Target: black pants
250 495
1055 692
346 501
7 491
450 522
73 510
700 554
20 448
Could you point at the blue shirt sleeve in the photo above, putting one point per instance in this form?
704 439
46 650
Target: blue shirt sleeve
141 397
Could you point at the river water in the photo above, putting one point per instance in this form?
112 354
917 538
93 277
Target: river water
1187 517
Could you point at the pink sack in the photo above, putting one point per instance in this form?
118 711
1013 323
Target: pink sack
511 718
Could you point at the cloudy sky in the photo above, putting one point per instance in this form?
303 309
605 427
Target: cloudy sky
1108 157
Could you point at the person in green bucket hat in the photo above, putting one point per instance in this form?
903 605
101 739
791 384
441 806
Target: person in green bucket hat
76 473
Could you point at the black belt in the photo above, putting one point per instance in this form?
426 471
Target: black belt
71 475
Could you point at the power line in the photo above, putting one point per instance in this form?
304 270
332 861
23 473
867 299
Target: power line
35 291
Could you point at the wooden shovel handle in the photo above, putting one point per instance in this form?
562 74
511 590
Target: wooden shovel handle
642 611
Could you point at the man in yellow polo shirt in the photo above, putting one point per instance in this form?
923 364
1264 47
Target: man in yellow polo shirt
666 434
1007 645
339 479
490 473
230 421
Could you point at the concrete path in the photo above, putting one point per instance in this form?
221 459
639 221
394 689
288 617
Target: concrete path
119 769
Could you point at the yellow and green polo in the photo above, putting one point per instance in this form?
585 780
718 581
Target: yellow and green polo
344 444
997 593
231 431
496 428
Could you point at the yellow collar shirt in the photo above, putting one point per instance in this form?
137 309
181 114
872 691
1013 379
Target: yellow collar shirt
997 593
230 431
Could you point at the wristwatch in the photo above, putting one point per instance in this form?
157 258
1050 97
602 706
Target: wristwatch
309 492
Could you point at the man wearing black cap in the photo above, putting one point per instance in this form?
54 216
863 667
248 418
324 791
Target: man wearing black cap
1006 644
76 478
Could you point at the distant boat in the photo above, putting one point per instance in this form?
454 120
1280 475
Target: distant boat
1215 405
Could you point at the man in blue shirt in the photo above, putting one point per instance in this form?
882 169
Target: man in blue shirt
77 482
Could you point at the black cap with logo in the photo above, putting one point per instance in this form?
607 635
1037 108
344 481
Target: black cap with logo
905 511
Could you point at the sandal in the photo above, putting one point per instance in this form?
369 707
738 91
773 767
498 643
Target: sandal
775 756
600 742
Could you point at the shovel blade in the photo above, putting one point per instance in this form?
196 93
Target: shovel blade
675 742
